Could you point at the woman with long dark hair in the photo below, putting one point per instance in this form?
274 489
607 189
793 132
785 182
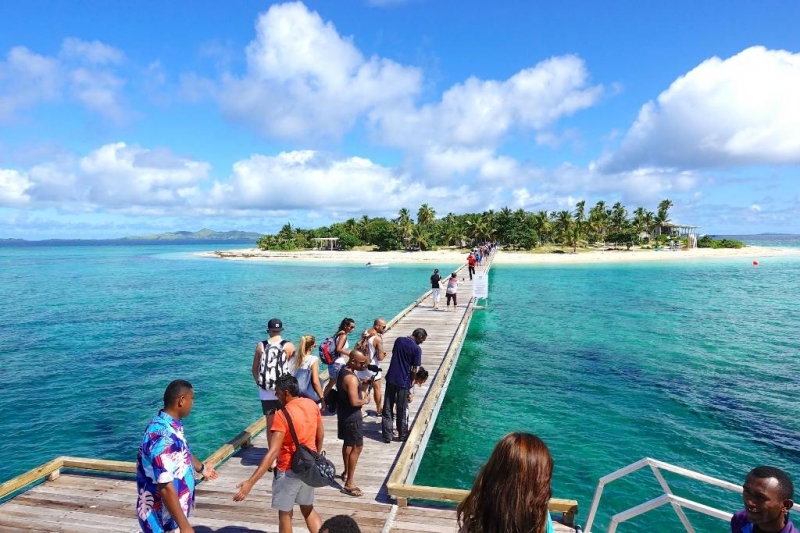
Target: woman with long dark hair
342 350
512 491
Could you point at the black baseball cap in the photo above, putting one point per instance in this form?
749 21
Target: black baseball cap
275 324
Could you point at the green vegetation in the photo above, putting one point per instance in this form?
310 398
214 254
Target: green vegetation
520 229
707 241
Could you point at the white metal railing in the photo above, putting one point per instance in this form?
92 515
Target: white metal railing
677 502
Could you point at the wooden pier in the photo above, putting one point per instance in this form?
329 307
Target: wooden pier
79 495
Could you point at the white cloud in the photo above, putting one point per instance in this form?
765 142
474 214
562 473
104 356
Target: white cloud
80 70
303 79
91 52
118 175
98 91
13 188
473 118
27 79
310 180
743 110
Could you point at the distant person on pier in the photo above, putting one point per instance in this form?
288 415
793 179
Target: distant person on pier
512 490
406 359
471 261
345 327
451 292
287 489
768 495
436 287
350 419
371 344
270 362
165 466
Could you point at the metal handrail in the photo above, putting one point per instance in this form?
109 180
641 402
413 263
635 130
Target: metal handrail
678 503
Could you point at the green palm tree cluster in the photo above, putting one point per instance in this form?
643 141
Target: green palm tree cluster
515 229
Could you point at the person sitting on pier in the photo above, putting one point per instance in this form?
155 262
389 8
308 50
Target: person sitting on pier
165 466
350 419
288 490
406 359
768 495
512 490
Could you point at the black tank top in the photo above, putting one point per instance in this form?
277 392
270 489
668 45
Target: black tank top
343 407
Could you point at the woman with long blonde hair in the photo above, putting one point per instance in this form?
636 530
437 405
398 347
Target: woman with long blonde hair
512 491
305 367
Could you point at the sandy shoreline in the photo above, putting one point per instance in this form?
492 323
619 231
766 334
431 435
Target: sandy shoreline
750 253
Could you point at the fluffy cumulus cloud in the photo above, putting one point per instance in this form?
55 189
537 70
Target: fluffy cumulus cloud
309 180
119 175
13 188
304 79
115 176
82 72
27 79
463 130
743 110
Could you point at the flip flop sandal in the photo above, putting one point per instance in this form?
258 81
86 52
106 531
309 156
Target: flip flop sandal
355 492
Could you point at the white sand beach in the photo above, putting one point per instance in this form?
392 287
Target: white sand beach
454 256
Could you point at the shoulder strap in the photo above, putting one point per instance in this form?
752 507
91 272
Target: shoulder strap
291 427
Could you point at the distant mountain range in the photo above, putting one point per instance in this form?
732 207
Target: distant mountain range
202 235
175 236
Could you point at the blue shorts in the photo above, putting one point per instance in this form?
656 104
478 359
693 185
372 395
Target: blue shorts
333 370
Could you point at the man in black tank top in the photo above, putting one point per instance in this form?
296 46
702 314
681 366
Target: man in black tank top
351 421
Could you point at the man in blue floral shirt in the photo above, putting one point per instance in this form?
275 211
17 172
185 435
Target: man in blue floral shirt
165 466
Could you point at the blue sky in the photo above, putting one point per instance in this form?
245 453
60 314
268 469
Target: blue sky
118 119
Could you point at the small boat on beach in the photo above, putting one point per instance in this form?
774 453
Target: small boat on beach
377 264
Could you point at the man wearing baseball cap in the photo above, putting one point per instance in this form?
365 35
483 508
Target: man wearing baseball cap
266 390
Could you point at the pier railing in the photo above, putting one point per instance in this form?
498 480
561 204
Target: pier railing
678 503
401 480
51 470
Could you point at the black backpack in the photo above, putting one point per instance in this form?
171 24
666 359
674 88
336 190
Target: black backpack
273 364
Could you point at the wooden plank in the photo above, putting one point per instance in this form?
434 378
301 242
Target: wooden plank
31 476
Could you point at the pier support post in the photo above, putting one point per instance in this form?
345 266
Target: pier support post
247 444
54 475
402 502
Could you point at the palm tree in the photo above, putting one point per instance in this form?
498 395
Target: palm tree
662 215
580 219
363 228
563 223
426 215
419 238
598 219
542 225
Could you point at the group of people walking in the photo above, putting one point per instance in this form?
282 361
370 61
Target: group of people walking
293 400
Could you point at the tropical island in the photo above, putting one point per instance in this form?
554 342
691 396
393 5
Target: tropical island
598 226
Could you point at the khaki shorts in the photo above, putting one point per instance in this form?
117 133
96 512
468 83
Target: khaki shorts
288 490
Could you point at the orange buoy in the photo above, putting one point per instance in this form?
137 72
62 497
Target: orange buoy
755 263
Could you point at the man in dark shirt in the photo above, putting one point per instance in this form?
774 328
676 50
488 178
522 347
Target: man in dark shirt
406 358
351 421
767 494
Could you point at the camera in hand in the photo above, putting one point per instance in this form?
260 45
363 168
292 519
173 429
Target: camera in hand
373 368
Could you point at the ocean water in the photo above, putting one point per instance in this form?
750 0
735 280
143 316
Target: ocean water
91 335
691 363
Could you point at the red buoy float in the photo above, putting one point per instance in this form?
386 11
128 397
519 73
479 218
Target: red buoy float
755 263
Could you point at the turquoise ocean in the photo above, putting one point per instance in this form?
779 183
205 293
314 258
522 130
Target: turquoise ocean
691 363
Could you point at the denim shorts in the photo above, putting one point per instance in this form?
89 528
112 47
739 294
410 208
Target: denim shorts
333 370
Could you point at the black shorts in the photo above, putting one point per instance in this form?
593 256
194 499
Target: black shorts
268 407
351 431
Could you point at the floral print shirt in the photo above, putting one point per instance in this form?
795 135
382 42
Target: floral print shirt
164 457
